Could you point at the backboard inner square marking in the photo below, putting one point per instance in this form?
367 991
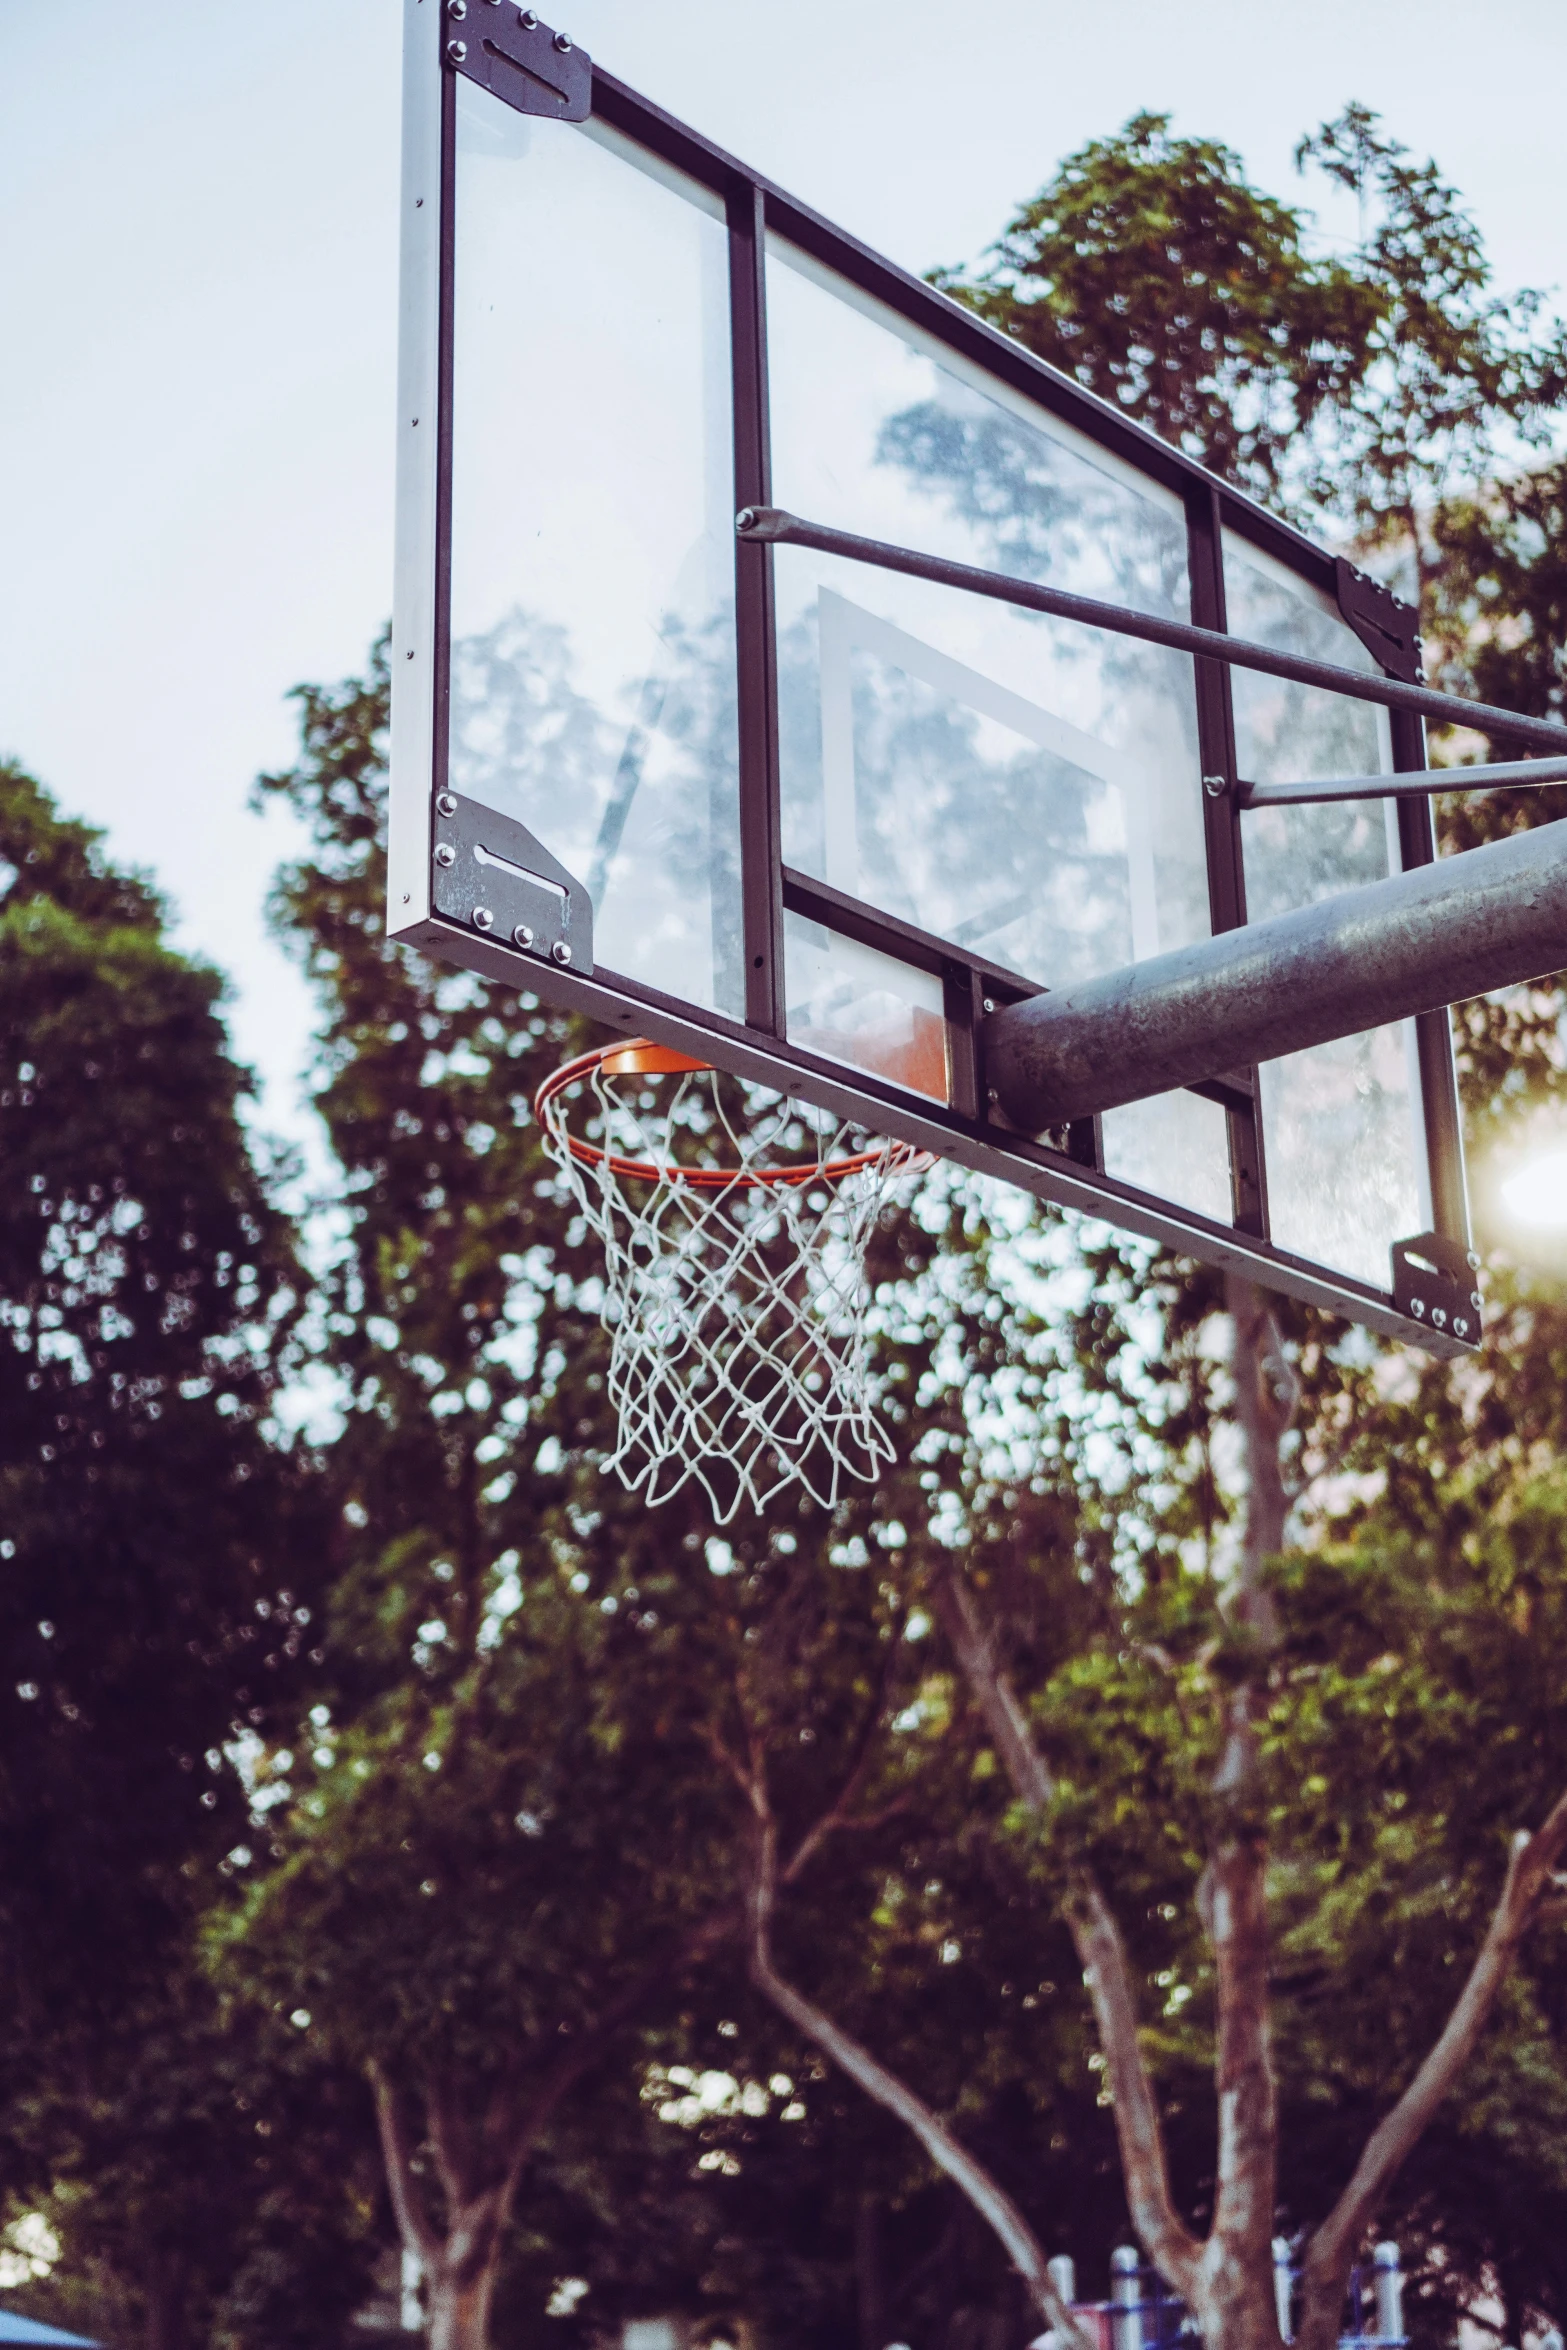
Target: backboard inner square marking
846 628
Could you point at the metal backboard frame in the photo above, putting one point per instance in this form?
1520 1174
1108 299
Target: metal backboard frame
526 66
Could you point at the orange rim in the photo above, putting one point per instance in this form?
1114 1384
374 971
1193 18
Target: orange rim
640 1057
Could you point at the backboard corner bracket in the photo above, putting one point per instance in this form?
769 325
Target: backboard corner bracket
519 59
1434 1284
491 875
1387 626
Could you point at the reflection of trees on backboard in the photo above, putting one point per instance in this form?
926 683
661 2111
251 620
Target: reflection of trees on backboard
1051 821
962 826
522 738
1040 510
637 795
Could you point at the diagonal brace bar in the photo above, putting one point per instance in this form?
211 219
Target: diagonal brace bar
785 529
1423 783
1492 917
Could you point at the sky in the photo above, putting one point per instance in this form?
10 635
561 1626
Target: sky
198 318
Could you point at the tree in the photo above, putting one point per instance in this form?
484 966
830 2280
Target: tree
562 1655
149 1613
1150 270
1360 390
1194 1772
1457 380
427 1090
478 1889
478 1895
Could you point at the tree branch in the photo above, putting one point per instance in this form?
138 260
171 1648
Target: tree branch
587 2043
974 1646
988 2198
414 2224
1237 1916
1097 1939
1530 1868
725 1757
837 1817
452 2146
1235 1911
1107 1973
1267 1395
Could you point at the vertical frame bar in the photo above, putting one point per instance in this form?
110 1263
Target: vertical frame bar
1444 1132
962 1002
761 858
442 696
416 598
1222 828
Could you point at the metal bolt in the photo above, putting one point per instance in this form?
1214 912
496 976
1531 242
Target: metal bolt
1417 1305
446 801
993 1095
483 919
456 51
563 43
528 20
990 1003
522 935
560 951
1472 1261
457 8
1438 1317
1477 1301
1460 1326
1215 786
446 854
745 518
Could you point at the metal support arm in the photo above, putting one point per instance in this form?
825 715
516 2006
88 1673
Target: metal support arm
775 526
1492 917
1424 783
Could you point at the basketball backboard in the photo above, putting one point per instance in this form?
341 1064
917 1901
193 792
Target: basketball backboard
809 815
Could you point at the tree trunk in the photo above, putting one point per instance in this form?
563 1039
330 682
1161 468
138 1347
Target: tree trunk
458 2246
478 2157
1234 2305
460 2282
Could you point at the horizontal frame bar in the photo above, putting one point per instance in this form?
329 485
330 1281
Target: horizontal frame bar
774 524
889 934
1423 783
625 1006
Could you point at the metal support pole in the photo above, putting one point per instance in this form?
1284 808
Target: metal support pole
1388 2287
1493 917
410 2306
1126 2294
1283 2288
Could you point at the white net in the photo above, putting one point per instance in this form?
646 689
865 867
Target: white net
734 1225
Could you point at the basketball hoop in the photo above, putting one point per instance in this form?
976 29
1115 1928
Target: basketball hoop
735 1290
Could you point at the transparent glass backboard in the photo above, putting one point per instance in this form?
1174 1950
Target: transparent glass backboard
827 811
1018 784
592 532
1343 1124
